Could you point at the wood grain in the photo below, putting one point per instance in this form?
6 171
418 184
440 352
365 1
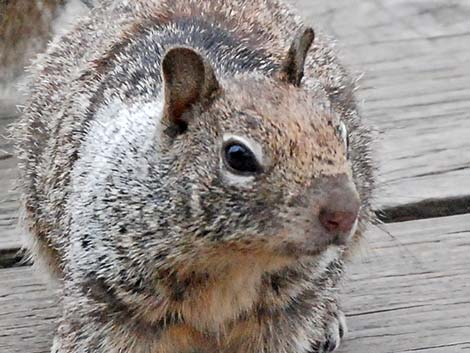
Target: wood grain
28 312
407 292
9 230
411 291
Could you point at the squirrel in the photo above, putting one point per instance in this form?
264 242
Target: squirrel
194 174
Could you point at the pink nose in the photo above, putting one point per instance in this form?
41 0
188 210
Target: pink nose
337 221
340 208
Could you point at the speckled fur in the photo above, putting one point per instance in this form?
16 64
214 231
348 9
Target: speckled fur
155 250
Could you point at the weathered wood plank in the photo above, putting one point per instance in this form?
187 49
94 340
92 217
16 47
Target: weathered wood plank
411 295
28 312
8 195
416 88
9 204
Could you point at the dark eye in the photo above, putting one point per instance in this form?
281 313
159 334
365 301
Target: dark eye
240 159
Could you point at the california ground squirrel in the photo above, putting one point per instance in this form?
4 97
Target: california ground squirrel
195 173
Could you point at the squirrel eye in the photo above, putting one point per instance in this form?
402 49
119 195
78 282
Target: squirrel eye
240 159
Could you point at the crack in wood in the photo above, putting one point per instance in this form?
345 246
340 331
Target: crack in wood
5 156
387 310
431 208
438 346
13 258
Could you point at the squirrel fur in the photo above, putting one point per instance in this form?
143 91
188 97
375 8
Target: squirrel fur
157 244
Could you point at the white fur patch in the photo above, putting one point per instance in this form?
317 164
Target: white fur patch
354 229
115 126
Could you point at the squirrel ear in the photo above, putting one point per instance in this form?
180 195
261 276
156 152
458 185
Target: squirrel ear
188 79
292 69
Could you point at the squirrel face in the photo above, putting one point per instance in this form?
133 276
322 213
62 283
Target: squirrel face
268 167
273 153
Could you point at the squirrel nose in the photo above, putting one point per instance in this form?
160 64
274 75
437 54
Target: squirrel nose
337 221
340 209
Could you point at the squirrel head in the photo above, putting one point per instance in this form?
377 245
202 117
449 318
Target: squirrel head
246 164
264 160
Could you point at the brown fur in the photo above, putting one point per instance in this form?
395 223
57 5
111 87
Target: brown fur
159 245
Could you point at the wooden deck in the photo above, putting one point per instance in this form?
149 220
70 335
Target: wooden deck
409 288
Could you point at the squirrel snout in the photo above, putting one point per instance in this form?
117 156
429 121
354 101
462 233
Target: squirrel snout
337 221
340 209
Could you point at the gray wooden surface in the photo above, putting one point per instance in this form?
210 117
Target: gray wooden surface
409 288
410 291
9 234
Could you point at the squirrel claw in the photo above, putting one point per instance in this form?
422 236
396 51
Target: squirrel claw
335 330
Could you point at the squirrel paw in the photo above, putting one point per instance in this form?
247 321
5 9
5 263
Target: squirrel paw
335 330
